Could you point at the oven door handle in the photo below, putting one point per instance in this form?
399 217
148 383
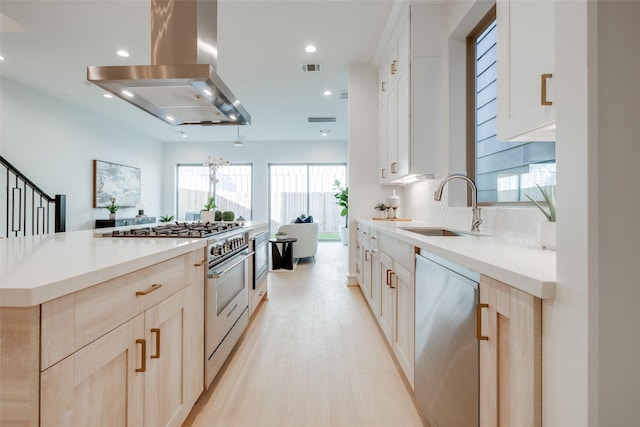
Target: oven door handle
218 274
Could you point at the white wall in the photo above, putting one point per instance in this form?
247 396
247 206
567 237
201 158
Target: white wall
260 154
613 154
54 144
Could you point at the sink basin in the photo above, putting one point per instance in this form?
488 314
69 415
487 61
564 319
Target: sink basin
444 232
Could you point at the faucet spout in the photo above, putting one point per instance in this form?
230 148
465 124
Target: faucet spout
477 220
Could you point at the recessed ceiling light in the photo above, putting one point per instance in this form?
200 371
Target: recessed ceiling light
327 93
123 53
108 95
127 93
310 48
184 135
170 118
1 58
324 132
232 117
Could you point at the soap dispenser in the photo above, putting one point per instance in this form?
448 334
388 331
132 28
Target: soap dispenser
393 202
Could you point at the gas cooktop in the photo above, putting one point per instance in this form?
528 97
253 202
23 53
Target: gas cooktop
178 229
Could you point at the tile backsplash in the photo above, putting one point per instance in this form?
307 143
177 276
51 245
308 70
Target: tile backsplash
516 224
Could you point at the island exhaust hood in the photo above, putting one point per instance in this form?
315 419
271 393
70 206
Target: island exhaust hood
181 86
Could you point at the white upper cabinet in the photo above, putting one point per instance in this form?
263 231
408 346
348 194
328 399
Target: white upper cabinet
526 64
411 119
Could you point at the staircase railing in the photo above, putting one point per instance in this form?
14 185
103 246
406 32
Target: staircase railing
29 210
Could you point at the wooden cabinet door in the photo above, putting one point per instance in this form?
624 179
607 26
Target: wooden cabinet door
366 270
510 356
383 168
525 53
404 321
167 325
376 291
102 384
359 254
388 297
403 123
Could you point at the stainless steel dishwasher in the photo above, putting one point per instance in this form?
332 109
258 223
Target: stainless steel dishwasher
447 350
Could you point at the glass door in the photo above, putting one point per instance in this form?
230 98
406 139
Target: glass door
306 189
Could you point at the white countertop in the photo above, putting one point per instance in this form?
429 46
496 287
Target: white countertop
36 269
530 269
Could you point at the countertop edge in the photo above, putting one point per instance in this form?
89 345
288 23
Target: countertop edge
12 297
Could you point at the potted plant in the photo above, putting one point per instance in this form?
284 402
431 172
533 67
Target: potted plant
384 209
547 229
112 208
342 200
166 218
207 214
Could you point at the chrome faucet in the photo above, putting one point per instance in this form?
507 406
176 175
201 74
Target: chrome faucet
475 225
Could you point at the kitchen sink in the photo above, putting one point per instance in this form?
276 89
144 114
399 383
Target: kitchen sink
444 232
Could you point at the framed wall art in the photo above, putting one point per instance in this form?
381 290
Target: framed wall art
114 180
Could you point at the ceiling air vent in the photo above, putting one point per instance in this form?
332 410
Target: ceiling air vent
321 119
308 68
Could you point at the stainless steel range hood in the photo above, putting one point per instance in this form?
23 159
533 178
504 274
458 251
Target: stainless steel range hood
181 86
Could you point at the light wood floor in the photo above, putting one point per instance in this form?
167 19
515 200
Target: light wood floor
312 356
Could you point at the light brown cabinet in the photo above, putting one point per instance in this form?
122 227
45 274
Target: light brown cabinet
403 338
510 356
99 385
129 351
388 285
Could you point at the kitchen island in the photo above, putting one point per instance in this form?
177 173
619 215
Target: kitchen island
97 330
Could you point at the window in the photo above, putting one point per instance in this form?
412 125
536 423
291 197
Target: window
297 189
233 190
504 171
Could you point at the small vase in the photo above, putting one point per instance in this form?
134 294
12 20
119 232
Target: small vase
112 215
207 216
547 235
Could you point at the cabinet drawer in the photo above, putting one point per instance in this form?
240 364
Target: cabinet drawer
401 252
75 320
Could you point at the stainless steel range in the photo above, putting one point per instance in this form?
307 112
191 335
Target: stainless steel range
181 229
226 309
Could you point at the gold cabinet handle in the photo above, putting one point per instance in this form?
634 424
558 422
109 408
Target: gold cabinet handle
157 332
479 308
373 237
388 271
153 287
391 276
394 167
394 66
144 355
383 87
543 89
383 173
201 263
366 255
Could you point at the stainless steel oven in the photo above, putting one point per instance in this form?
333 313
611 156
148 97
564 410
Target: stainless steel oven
260 258
226 300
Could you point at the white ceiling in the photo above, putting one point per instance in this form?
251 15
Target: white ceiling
260 44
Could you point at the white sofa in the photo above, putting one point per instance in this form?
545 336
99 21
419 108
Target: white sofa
307 235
